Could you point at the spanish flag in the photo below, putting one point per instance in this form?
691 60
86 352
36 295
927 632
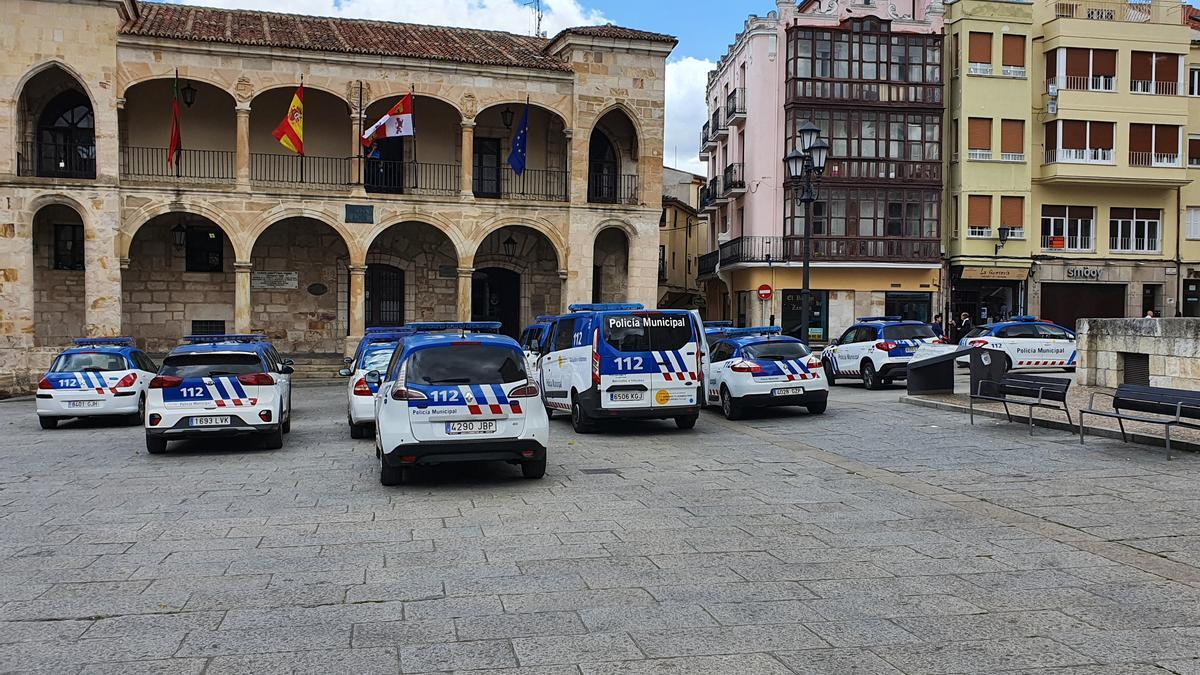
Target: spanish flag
290 132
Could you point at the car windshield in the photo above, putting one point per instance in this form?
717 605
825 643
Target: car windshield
776 351
89 362
211 364
376 356
466 364
908 331
647 331
976 332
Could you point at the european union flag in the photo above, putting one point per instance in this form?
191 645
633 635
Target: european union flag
516 158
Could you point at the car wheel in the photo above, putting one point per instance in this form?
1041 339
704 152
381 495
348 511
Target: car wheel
1007 363
729 407
287 421
273 440
357 431
686 421
869 378
48 422
817 408
139 417
534 468
828 366
579 418
155 445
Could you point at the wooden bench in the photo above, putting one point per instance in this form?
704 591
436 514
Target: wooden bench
1179 406
1034 391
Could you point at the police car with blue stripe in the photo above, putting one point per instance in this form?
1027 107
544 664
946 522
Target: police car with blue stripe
457 392
219 386
876 350
534 340
759 367
1027 342
98 376
373 353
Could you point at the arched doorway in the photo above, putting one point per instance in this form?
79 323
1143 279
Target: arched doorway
412 275
58 277
602 169
496 296
610 266
56 127
613 160
384 295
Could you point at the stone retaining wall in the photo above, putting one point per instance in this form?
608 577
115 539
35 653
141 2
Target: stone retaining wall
1173 347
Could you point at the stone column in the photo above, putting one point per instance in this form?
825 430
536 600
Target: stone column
467 161
356 154
358 304
102 270
242 161
241 296
464 293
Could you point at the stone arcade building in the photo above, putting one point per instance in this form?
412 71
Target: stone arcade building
98 236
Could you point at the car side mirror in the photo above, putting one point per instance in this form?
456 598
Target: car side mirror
372 377
833 342
347 360
287 370
288 362
345 372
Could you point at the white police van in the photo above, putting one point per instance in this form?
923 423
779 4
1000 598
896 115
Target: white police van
216 386
96 377
457 392
1027 342
759 367
621 360
373 353
876 350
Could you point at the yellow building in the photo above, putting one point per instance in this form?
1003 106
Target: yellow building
1189 237
682 238
1066 172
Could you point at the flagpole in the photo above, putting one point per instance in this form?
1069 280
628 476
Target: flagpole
361 158
179 150
302 140
412 90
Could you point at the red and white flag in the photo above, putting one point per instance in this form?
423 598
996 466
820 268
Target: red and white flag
397 122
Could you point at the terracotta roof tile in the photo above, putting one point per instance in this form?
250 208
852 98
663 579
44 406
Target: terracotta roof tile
351 36
617 33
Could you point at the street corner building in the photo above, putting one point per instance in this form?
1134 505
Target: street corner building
168 170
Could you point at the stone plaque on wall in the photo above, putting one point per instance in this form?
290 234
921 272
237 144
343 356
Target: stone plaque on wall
274 281
360 213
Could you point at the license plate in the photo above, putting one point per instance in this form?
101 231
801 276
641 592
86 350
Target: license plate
210 421
83 404
787 391
473 427
625 396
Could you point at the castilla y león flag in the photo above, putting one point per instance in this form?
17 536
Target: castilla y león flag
397 122
290 132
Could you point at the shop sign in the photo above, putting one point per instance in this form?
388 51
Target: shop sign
1084 273
996 273
274 281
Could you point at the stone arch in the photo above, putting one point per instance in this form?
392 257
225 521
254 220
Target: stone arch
57 235
281 212
291 86
611 249
539 225
537 263
463 249
327 136
614 150
130 83
428 257
517 104
377 98
65 147
34 71
629 114
209 129
136 220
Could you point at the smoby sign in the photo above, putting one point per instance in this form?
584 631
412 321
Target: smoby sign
1084 273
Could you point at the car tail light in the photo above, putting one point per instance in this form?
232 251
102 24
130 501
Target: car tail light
264 415
44 383
400 393
257 379
746 367
165 382
527 390
361 388
978 343
527 453
127 381
154 419
596 357
814 363
885 346
408 459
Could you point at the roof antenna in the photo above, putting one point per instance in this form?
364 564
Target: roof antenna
537 17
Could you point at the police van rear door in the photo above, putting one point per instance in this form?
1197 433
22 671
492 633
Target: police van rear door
464 390
648 359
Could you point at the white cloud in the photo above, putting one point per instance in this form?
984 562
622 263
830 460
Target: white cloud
508 15
685 113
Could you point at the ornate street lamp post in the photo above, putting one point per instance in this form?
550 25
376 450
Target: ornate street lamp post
808 163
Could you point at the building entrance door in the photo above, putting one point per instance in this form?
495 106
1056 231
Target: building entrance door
384 169
1064 304
384 296
496 296
1191 297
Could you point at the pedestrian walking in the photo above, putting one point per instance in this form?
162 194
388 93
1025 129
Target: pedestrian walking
938 329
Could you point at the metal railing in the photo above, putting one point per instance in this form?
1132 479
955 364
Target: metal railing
547 185
146 163
1013 71
715 192
1012 157
1156 87
882 169
979 154
57 160
801 89
707 263
771 249
1135 244
1083 82
414 178
706 138
608 188
734 178
717 123
1135 11
299 170
1168 160
1080 156
735 104
979 69
1074 243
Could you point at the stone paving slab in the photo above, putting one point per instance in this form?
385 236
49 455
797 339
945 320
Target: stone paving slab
877 538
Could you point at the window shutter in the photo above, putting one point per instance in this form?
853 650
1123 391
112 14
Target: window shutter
1193 222
1077 62
1193 151
1012 136
1166 139
979 133
1141 137
1012 211
1140 65
979 211
1166 68
1102 135
1051 135
1104 62
1074 135
979 48
1013 53
1052 64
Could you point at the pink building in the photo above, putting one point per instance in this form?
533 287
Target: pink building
869 74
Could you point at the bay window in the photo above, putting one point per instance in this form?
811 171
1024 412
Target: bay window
1154 73
1154 145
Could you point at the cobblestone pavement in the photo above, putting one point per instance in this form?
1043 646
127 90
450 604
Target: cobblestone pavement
878 538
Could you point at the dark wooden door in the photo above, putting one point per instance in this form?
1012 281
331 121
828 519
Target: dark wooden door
384 296
486 177
496 296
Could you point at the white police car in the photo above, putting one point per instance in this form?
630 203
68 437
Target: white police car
98 376
759 367
876 350
1027 342
373 353
621 360
459 394
533 341
219 386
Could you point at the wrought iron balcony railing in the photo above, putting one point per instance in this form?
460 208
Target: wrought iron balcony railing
193 166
